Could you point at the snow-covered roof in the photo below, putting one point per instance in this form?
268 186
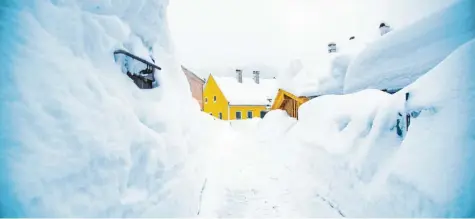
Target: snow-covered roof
326 74
401 56
247 92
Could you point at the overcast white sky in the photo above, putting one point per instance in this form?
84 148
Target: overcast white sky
211 35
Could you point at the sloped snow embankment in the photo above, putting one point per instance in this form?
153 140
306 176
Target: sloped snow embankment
401 56
364 168
78 138
431 174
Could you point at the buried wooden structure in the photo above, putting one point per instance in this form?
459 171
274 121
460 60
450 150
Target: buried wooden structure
289 102
145 79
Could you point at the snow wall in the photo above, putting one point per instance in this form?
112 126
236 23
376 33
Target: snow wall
78 138
351 146
401 56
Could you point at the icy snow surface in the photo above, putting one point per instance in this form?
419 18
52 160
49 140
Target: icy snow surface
401 56
79 139
247 92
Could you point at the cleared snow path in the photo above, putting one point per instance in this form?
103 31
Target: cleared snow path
249 178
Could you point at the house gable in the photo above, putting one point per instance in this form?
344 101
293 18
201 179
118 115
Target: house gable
216 107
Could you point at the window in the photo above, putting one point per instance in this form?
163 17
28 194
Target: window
220 115
238 115
210 114
206 100
249 114
214 99
263 113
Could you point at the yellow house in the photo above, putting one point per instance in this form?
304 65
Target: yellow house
289 102
230 98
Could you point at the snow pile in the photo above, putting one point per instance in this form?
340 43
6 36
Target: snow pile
337 122
245 125
78 137
267 129
358 157
433 168
248 92
325 75
401 56
295 66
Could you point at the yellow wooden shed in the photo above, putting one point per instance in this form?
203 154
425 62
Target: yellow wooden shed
289 102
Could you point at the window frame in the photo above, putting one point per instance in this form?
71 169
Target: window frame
263 112
250 112
240 115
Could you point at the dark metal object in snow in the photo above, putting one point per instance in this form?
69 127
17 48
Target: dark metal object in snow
121 51
146 78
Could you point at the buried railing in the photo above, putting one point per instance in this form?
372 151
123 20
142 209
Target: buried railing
138 69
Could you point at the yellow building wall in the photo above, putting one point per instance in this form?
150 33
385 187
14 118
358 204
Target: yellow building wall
256 111
212 107
209 105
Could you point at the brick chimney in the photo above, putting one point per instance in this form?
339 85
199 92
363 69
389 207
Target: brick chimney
255 75
239 75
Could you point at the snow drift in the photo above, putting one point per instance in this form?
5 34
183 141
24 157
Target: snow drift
322 75
432 171
356 155
78 138
401 56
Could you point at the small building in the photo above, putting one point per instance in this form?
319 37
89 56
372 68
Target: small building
288 102
235 98
196 85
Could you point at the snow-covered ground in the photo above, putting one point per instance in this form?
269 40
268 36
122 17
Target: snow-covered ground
79 139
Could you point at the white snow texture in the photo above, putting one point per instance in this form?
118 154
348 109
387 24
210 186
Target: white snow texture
79 139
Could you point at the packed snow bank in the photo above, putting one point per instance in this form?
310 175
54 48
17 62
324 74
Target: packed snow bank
324 75
400 57
433 169
78 138
267 128
336 122
364 168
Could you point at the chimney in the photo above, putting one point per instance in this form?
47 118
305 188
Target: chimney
239 75
256 76
384 29
331 47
